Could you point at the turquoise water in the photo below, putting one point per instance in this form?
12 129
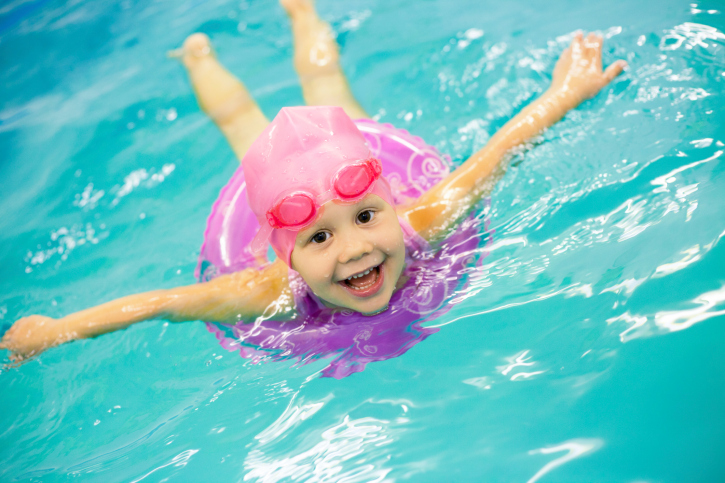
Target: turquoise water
587 347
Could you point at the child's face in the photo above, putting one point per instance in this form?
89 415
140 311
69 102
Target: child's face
350 240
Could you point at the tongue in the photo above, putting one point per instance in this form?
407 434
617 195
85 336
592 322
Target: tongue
365 280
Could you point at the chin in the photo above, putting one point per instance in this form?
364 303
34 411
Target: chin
374 309
376 312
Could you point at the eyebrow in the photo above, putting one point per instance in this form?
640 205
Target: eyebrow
312 230
365 203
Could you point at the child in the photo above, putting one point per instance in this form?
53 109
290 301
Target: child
337 226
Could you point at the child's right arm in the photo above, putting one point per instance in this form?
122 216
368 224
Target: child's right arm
242 295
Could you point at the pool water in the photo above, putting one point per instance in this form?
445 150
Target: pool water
587 345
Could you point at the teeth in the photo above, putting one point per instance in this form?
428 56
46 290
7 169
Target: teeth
361 274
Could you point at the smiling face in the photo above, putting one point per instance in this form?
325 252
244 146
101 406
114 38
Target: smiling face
353 255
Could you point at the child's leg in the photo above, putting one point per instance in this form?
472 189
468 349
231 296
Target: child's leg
317 60
222 96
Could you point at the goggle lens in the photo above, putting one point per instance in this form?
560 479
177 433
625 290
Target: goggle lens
294 210
352 181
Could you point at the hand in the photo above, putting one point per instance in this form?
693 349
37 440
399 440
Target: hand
578 73
30 336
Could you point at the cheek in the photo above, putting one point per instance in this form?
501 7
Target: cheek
315 268
325 276
392 241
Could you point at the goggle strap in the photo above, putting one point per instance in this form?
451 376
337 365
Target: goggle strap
260 240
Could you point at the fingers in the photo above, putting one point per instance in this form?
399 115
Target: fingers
587 48
577 44
594 49
6 345
614 70
5 340
16 359
587 51
566 55
562 66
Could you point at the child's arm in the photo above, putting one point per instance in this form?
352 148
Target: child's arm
577 76
241 295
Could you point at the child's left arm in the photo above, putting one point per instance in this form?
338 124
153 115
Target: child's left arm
577 76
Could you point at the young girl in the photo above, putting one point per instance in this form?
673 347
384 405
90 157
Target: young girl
319 195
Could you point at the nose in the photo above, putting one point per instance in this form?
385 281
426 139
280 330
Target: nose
354 245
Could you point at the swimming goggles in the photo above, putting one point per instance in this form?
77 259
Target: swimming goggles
350 184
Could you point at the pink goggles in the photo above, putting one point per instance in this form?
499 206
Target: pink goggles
297 210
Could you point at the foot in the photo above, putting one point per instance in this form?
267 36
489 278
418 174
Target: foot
196 47
298 7
316 51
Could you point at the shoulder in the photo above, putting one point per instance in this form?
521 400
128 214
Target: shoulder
251 291
270 279
420 218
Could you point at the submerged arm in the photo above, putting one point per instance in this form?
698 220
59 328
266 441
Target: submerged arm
241 295
577 76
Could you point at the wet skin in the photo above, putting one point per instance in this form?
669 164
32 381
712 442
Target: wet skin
363 240
247 294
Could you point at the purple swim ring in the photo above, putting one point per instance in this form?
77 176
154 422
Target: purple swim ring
348 339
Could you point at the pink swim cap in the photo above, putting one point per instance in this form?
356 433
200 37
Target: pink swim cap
306 157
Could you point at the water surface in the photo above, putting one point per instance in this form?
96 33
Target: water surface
586 347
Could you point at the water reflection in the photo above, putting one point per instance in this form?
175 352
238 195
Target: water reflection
710 304
574 448
348 451
291 417
690 35
677 320
178 461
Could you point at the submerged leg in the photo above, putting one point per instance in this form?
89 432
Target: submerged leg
221 95
317 60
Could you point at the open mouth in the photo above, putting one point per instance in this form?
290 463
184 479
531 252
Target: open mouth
366 283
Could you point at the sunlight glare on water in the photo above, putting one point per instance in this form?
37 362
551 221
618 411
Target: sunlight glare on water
582 343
